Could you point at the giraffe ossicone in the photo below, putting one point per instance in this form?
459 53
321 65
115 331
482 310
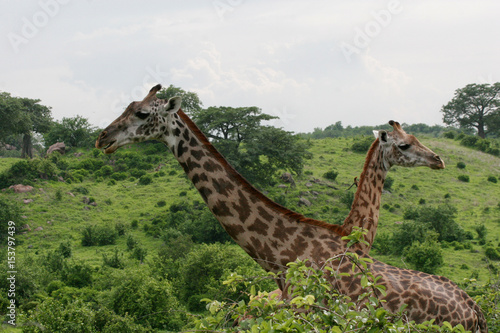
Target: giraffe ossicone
272 234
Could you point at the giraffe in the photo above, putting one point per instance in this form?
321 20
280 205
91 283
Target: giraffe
388 149
270 233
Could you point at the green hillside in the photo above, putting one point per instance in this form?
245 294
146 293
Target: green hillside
139 197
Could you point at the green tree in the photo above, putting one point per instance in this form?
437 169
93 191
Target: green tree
190 101
474 106
257 151
23 116
74 132
425 257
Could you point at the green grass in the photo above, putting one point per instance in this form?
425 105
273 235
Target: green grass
477 202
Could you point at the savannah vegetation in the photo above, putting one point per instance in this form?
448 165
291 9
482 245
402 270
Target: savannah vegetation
124 243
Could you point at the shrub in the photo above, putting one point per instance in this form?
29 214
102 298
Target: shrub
425 257
331 175
137 173
461 165
119 176
449 135
120 228
464 178
10 210
149 301
76 274
388 183
115 261
492 179
65 249
492 253
145 180
362 145
98 235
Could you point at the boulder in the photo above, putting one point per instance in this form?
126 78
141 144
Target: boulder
19 188
288 178
39 229
304 202
58 146
27 201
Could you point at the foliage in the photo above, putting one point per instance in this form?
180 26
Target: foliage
463 178
473 107
23 116
361 145
145 179
312 306
98 235
74 132
27 172
150 302
258 152
9 211
425 257
331 175
191 103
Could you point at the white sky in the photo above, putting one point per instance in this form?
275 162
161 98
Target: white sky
312 63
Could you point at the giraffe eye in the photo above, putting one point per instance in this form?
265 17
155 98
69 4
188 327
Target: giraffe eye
141 115
404 146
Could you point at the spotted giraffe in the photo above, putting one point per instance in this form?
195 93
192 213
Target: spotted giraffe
388 149
270 233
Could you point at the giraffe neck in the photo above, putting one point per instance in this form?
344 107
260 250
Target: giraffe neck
366 205
268 232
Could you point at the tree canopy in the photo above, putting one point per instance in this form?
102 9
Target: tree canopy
20 115
74 132
474 106
190 101
257 151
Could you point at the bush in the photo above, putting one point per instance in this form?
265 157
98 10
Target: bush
464 178
425 257
115 261
492 253
98 235
449 135
119 176
9 211
388 183
76 274
149 301
65 249
362 145
492 179
137 173
461 165
331 175
145 180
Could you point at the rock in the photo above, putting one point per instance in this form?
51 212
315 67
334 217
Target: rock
26 227
398 222
27 201
304 202
70 194
86 200
49 222
309 185
61 179
282 186
24 216
86 208
39 229
19 188
9 147
58 146
93 203
314 193
77 154
287 178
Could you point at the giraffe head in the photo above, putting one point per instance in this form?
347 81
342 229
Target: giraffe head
141 121
404 149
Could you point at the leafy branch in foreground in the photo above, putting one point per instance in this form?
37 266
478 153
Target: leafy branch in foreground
313 304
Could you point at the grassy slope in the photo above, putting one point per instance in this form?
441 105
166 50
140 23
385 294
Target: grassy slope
128 201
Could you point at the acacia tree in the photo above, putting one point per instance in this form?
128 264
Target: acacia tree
23 116
474 106
74 132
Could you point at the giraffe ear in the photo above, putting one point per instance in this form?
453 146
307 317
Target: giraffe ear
382 135
173 105
375 134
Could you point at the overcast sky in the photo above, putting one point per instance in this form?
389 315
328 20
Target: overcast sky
312 63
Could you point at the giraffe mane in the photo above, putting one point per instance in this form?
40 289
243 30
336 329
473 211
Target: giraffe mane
250 188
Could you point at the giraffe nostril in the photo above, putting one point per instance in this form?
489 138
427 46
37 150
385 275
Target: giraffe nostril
103 134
